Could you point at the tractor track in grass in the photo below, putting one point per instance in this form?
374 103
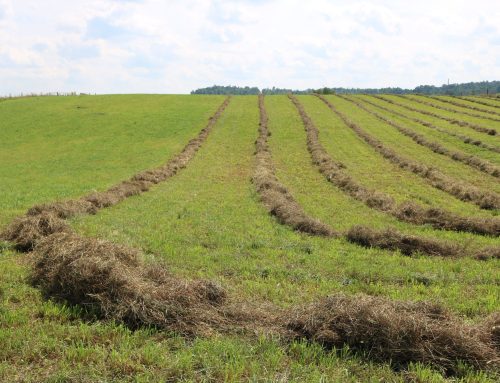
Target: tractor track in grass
477 128
467 193
114 283
470 107
463 138
467 159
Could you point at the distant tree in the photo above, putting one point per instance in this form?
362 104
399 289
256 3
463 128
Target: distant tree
450 89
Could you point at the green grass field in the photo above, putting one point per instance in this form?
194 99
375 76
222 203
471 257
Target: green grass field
208 222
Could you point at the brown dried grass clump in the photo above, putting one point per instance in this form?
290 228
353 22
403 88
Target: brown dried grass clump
392 331
444 220
464 139
489 330
489 252
473 161
25 232
274 195
462 191
454 121
113 283
391 239
64 209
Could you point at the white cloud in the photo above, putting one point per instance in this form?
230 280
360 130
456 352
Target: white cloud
110 46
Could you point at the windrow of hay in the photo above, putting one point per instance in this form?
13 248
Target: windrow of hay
477 128
112 282
45 219
407 211
462 191
397 331
480 102
464 139
467 106
273 194
461 111
390 239
473 161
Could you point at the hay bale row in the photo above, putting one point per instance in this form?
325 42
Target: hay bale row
454 121
473 161
463 138
461 106
462 191
278 201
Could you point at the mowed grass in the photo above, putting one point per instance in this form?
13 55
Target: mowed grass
65 147
447 140
207 222
440 112
405 146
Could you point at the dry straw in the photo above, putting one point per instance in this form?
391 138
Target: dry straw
477 128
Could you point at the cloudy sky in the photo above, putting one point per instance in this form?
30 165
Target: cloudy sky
174 46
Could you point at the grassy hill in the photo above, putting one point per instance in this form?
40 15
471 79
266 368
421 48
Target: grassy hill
207 222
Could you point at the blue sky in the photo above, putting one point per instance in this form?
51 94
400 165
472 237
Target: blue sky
155 46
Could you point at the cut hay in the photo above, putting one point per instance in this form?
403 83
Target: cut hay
463 138
390 331
111 281
437 106
391 239
453 121
462 191
274 195
64 209
472 161
469 106
25 232
335 173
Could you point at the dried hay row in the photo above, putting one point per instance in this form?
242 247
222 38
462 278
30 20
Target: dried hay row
406 211
471 107
464 139
480 129
46 219
476 101
464 192
273 194
436 147
111 282
401 332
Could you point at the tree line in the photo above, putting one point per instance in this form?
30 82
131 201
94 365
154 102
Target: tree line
470 88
